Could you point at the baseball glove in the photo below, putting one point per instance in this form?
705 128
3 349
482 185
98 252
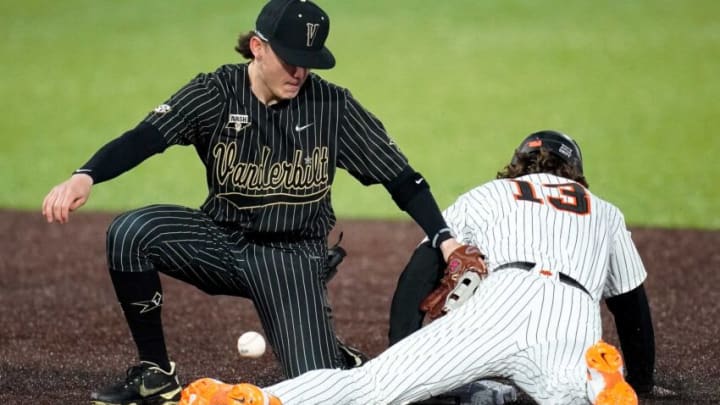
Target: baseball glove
336 254
465 263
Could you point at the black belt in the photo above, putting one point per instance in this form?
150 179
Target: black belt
527 266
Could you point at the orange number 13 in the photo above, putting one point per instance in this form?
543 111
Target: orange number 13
573 198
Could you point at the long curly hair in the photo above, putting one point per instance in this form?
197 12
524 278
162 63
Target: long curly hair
542 161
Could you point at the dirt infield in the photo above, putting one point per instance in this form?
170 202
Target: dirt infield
63 334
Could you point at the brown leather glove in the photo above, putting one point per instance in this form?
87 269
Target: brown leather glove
464 258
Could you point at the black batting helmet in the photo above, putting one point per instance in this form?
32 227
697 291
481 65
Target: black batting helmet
556 143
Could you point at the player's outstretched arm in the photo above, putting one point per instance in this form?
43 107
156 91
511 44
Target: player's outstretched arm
633 322
419 278
66 197
116 157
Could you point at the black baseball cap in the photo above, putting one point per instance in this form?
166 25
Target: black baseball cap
296 31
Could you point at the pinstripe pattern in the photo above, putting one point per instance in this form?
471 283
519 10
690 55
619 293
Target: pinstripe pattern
527 326
274 174
485 341
261 232
285 288
594 248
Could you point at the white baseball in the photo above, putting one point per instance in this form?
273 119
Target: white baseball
251 344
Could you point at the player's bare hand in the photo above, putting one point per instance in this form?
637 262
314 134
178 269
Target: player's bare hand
448 246
66 197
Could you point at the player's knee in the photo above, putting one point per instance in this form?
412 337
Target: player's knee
124 227
126 234
127 227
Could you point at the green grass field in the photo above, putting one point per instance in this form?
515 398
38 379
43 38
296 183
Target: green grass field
456 82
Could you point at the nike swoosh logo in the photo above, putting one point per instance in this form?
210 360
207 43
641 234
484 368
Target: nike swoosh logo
171 395
299 128
146 392
418 181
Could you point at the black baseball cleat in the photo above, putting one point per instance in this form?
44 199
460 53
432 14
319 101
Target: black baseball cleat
144 384
351 356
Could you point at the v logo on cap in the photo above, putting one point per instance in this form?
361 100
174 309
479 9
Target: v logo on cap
311 31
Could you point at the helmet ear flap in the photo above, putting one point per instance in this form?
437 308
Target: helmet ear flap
514 159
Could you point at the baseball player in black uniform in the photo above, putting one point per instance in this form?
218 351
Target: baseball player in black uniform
271 135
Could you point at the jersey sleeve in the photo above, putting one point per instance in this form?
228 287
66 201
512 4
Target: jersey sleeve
456 219
190 113
463 219
364 148
626 270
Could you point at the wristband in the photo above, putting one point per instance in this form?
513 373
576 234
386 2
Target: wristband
441 236
89 172
83 171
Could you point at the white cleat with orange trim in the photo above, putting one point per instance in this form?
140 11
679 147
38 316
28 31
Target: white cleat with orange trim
606 384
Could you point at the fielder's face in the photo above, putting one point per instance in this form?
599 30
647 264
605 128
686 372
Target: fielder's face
272 79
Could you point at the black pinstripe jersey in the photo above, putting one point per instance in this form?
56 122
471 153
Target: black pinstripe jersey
270 169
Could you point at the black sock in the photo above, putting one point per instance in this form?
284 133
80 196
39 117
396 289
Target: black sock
140 296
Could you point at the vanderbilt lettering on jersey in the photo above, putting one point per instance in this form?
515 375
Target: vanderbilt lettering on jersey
302 180
270 169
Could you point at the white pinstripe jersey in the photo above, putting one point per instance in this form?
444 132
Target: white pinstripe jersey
554 222
527 326
270 168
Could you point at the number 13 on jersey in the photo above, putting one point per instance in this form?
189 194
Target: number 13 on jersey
572 197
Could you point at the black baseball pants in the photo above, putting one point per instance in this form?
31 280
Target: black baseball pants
281 277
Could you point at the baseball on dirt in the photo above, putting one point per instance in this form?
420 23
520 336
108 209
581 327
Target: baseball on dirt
251 344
